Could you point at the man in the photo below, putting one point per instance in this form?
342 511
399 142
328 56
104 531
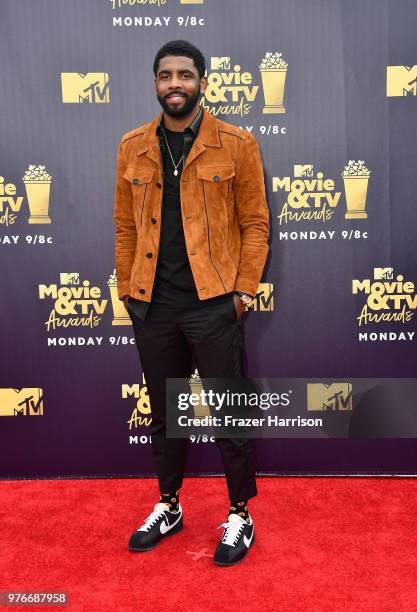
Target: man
192 225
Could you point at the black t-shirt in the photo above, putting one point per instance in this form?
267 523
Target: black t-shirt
174 283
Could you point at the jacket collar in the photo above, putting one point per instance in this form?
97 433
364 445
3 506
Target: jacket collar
208 134
194 125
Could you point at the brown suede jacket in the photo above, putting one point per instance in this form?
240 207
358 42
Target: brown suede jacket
224 211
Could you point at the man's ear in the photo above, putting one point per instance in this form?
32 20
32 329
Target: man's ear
203 83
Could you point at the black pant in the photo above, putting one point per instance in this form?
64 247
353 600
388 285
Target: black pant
166 341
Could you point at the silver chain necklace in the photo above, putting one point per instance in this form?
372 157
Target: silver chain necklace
172 159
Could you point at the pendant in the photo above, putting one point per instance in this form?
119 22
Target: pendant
175 172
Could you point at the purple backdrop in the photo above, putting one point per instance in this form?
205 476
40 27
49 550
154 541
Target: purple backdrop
328 88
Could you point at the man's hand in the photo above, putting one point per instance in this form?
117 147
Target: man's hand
239 305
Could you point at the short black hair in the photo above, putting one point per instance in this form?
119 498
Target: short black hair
181 47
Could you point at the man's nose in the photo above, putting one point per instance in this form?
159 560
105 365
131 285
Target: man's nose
175 83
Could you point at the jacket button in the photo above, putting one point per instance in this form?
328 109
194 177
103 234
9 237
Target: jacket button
141 290
148 254
158 185
136 181
153 220
216 178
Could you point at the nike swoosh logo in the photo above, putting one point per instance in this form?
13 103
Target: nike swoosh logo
247 541
164 527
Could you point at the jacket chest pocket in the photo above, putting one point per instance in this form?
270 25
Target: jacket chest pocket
216 182
216 179
140 180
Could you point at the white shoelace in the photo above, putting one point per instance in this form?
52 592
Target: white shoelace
232 532
157 512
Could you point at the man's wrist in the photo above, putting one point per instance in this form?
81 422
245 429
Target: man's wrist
244 297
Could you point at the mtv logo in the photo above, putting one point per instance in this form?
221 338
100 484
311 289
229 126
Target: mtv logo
264 298
220 63
334 397
92 87
21 402
69 278
303 170
383 273
401 81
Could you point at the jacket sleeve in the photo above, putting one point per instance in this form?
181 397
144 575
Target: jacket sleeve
253 213
125 227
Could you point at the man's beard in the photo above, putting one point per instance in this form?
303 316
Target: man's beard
180 111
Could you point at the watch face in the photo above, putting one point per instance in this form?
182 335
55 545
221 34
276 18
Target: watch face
246 299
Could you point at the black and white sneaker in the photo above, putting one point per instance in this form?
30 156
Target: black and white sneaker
236 540
160 523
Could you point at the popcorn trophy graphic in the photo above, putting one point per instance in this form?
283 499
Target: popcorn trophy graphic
356 178
273 72
38 184
196 386
120 315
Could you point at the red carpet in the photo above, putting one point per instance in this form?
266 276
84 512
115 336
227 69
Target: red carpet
325 544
